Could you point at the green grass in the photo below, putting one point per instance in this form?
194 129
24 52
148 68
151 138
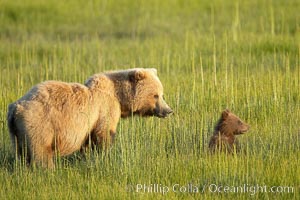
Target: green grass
210 55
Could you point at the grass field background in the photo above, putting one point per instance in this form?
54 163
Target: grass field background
210 55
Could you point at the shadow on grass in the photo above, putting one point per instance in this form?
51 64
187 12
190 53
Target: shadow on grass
12 164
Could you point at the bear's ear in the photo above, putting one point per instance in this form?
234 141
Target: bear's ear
225 113
136 75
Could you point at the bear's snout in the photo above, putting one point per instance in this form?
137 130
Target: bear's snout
243 129
166 112
162 111
247 127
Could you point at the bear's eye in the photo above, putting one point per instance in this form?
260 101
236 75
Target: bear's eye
240 122
156 96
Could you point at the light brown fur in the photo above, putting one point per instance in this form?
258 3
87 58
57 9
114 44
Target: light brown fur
58 117
228 126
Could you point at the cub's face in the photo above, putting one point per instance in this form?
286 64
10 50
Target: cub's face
148 98
234 124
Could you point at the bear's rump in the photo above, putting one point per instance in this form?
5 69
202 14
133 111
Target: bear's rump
65 131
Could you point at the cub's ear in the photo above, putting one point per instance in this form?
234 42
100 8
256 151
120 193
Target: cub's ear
136 75
225 113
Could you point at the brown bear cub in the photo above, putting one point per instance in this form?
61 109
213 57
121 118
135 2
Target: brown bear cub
55 117
228 126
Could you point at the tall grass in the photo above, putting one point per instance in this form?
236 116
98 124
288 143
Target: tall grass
210 55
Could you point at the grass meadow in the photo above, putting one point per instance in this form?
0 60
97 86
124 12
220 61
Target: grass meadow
210 55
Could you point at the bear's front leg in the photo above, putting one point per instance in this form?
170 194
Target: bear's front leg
98 140
104 139
43 155
103 134
89 144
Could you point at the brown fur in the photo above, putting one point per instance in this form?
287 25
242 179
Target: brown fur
228 126
58 117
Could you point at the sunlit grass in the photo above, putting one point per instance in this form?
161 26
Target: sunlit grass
210 55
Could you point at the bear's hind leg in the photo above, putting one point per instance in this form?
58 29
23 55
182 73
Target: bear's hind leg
22 149
43 155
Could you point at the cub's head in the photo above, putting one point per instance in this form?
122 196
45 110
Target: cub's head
147 97
229 124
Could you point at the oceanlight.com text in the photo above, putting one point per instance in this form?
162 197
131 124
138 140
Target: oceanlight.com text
251 189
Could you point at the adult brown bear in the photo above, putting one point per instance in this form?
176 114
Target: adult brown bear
58 117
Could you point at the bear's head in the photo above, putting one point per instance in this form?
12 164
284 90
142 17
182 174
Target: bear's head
230 124
147 98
